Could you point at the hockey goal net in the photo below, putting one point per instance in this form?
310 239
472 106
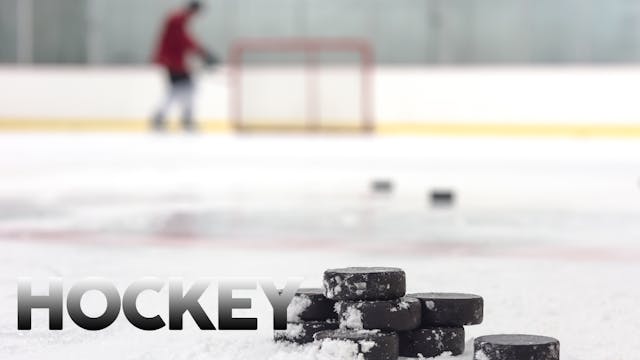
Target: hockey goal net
301 85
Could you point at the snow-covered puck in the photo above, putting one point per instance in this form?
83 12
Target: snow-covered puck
450 309
364 283
399 315
371 344
302 332
516 347
431 342
310 304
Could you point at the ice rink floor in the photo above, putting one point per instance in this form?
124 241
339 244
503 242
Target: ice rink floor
546 230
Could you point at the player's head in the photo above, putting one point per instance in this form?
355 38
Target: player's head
194 6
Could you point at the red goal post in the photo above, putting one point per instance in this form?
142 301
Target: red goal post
311 51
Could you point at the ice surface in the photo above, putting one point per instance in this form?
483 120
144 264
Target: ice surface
545 230
226 189
509 308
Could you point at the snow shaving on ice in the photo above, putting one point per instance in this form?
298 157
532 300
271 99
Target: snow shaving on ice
297 306
293 331
352 318
402 305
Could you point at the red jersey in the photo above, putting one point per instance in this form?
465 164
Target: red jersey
176 43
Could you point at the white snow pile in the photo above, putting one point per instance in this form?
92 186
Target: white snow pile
438 334
402 305
298 305
480 355
294 331
338 349
328 349
352 318
366 345
332 292
361 287
444 356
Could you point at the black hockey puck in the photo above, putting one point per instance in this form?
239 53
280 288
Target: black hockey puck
442 197
399 315
364 283
303 332
371 344
450 309
516 347
431 342
310 304
382 186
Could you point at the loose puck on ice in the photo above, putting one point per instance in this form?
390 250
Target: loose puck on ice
450 309
382 186
364 283
399 315
516 347
442 197
433 341
310 304
303 332
372 344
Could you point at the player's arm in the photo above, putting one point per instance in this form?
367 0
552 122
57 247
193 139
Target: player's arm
207 56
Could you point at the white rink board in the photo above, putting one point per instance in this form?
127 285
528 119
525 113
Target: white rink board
565 95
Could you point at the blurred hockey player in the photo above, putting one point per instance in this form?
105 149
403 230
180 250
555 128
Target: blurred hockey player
174 47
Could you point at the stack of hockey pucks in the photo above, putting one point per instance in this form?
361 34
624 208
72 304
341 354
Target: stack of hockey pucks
444 316
375 318
372 310
309 312
372 307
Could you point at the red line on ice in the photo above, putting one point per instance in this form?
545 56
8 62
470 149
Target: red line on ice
440 249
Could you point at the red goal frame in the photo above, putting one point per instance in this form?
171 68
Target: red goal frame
310 47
